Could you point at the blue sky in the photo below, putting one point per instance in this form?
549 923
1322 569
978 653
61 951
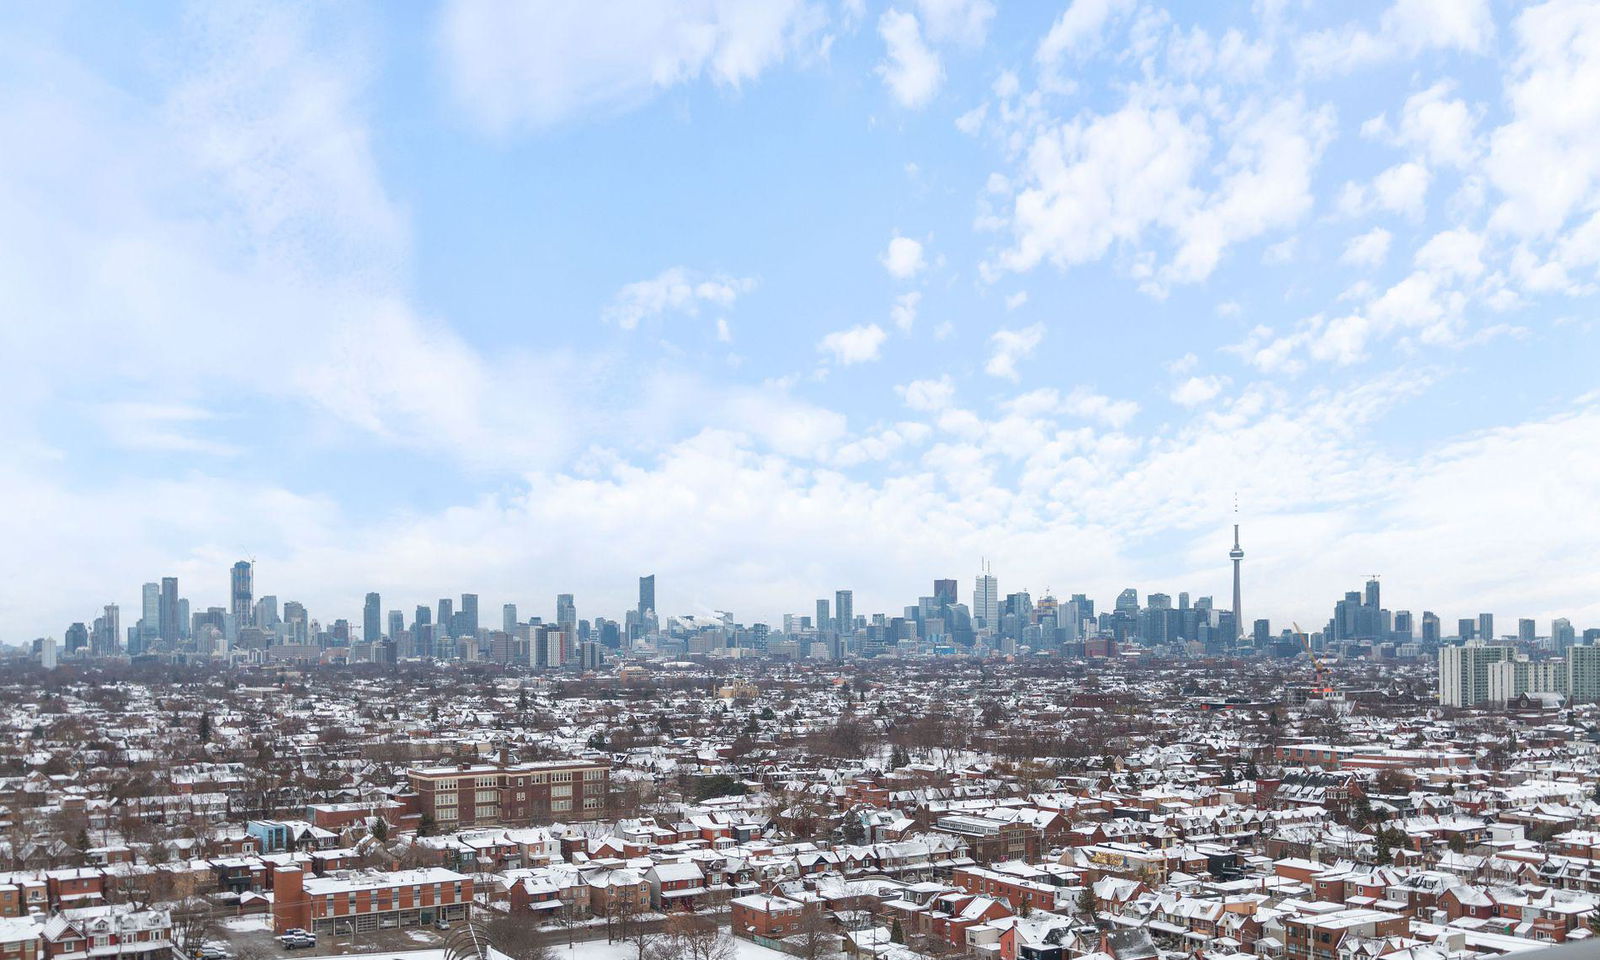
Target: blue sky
777 298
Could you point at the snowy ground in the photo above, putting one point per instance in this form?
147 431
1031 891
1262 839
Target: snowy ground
600 950
248 924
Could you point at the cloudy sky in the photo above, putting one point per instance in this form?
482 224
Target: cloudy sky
774 298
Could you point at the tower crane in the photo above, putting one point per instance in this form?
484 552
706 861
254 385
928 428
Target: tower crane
1319 669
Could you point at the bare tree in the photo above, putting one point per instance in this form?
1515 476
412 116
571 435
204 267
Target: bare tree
691 937
191 925
518 938
814 937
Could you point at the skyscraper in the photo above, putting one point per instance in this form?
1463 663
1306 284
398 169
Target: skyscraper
944 592
508 618
567 613
986 600
823 622
647 595
1430 627
469 615
169 627
1526 630
1237 556
397 623
242 592
1561 634
149 618
447 616
844 611
1486 626
372 619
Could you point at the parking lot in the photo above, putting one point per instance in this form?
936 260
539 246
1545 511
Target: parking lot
250 938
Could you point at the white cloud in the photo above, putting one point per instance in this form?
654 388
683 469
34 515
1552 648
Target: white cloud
927 395
956 21
1403 189
1085 403
883 444
1015 300
161 427
1546 160
1009 346
904 311
903 258
1197 390
673 290
529 66
1128 178
858 344
1369 249
971 122
1442 127
911 70
1078 30
1406 27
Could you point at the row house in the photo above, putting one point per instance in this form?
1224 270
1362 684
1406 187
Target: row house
21 938
22 894
677 885
1313 936
75 887
552 891
760 915
108 931
615 890
1018 891
953 916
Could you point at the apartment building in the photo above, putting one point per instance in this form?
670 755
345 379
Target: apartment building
468 795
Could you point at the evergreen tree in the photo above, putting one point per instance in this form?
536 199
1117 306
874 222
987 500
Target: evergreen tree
205 727
1086 902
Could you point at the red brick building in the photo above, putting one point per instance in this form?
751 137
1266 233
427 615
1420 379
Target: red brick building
516 794
363 902
759 915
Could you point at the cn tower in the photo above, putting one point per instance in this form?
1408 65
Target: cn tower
1237 556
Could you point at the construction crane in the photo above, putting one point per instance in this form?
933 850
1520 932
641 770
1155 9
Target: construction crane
1319 669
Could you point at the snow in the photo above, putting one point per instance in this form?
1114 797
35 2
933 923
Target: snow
601 950
248 924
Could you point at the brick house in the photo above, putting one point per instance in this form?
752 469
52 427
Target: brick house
760 915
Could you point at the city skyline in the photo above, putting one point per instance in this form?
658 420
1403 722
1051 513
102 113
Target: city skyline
851 295
1360 617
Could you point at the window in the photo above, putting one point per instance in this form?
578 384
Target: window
591 803
561 776
487 782
595 774
487 796
561 791
561 805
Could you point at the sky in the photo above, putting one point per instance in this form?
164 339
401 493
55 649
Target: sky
777 297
